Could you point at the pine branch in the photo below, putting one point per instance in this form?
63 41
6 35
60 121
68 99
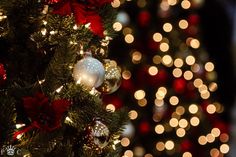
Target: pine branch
7 114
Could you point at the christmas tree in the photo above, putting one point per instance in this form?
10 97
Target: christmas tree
172 82
54 71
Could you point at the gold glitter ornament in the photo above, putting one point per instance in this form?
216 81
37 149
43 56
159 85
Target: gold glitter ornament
112 80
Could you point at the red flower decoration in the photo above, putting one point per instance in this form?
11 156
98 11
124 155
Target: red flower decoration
52 1
44 115
84 12
3 75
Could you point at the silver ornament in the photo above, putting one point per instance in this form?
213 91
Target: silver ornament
112 79
97 135
89 72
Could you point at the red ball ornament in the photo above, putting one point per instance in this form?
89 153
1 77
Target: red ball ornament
127 86
186 145
144 127
179 85
193 19
224 127
153 46
144 18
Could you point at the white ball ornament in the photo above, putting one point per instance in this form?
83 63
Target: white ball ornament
89 72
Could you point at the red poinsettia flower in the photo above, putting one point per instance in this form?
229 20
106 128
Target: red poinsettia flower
52 1
3 75
43 114
84 12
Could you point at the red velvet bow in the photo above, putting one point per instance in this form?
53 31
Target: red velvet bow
84 12
44 115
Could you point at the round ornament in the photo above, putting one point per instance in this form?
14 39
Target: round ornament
97 135
89 72
112 79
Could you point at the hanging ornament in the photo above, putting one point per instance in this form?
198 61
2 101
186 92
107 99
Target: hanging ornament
97 135
89 72
4 25
112 79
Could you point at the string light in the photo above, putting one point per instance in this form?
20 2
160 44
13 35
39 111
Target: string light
169 145
153 70
125 142
167 27
160 146
44 31
167 60
183 24
68 120
157 59
185 4
139 94
174 100
183 123
129 38
136 57
173 122
178 62
164 47
210 138
214 152
190 60
19 136
193 108
126 74
177 72
111 108
159 129
41 81
172 2
187 154
115 3
142 102
133 114
117 26
180 132
209 66
58 90
157 37
202 140
18 126
194 121
194 43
